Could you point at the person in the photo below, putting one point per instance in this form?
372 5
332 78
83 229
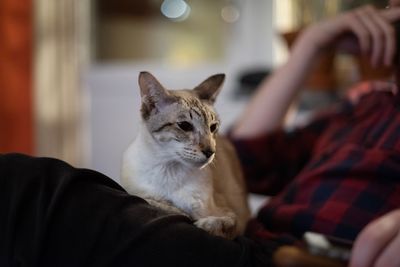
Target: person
339 174
55 215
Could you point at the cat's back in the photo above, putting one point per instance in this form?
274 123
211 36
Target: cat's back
228 181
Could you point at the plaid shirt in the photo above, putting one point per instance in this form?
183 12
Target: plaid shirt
333 176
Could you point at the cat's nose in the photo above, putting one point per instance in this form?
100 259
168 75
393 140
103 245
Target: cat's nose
208 152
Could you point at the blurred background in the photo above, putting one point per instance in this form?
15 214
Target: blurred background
68 68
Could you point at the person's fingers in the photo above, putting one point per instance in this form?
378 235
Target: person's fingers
359 29
388 35
390 255
377 44
373 239
391 14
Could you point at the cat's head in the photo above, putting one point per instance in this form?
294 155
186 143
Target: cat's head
183 122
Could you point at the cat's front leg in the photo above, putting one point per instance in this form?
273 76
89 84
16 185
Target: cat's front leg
202 209
224 226
217 221
165 205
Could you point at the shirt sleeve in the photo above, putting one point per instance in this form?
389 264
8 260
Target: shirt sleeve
55 215
270 161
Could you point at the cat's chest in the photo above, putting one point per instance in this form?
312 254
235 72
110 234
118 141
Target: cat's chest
149 174
191 190
171 180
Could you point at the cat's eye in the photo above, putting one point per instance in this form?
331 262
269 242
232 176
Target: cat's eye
186 126
214 127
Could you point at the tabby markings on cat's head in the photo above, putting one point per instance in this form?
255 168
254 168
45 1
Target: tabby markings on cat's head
183 122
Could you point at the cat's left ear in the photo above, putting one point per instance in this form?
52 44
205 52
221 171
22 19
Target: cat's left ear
209 89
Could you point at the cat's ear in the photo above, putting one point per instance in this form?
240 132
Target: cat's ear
154 95
209 89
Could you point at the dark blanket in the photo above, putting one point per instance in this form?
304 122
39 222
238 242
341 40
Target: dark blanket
52 214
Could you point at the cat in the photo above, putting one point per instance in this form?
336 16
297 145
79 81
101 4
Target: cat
178 161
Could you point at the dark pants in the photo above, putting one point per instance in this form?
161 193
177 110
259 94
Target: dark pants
52 214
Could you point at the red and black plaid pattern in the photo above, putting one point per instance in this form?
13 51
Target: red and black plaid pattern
333 176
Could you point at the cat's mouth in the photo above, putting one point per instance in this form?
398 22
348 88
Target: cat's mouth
208 161
197 162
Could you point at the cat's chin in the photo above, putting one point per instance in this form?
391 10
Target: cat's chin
204 165
208 161
197 164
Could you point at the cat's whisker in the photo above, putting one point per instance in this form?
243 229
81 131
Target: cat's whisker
212 163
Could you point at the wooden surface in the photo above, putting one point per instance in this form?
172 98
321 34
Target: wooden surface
16 116
291 256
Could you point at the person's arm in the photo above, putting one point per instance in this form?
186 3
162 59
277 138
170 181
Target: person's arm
379 243
55 215
270 161
270 103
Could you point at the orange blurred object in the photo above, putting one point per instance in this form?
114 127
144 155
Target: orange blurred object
291 256
16 114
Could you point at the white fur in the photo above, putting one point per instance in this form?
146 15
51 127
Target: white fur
150 174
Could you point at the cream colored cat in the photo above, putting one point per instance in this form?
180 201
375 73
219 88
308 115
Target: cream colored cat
179 163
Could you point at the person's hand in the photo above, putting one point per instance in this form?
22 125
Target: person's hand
378 245
267 108
364 88
372 28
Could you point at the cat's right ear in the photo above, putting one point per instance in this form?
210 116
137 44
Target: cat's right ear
209 89
154 95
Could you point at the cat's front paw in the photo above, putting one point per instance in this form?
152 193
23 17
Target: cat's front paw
223 226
